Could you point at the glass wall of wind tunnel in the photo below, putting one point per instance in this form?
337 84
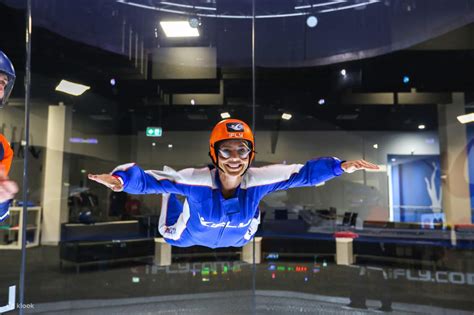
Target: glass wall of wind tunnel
112 84
381 81
12 129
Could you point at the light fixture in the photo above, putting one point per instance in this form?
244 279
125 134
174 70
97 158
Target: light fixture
83 140
421 126
153 143
225 115
343 72
376 146
71 88
352 6
194 21
406 79
323 4
464 119
286 116
170 146
188 6
394 159
312 21
113 82
322 101
178 29
193 102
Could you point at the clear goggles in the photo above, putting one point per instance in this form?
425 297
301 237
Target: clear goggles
242 152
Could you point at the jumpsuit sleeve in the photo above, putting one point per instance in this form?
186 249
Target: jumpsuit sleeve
4 210
311 173
137 181
7 156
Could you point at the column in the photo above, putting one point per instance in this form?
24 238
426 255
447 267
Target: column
247 251
56 174
453 149
162 252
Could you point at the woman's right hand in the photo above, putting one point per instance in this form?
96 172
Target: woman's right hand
107 180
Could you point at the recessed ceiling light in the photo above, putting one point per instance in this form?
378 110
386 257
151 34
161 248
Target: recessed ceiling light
464 119
225 115
421 127
178 29
71 88
286 116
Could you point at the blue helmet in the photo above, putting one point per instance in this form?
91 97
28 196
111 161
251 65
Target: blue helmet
6 67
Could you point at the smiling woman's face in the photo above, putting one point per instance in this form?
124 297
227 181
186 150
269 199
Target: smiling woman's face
234 156
3 84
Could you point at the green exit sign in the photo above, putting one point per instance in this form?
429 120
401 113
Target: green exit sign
154 131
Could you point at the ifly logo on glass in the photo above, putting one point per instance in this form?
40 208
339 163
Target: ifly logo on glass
235 127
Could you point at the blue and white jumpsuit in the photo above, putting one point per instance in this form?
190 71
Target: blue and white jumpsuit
205 217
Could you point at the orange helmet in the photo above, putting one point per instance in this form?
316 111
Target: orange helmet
229 129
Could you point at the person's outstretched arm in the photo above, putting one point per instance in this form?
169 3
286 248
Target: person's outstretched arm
282 177
132 179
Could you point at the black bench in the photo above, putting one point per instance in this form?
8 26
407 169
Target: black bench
103 242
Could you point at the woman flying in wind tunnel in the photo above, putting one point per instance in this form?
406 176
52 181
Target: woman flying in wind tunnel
220 208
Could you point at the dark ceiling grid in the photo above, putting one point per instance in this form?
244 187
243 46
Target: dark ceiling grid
296 90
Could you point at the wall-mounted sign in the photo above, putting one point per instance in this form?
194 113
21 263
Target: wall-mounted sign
154 131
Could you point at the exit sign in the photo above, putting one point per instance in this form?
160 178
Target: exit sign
154 131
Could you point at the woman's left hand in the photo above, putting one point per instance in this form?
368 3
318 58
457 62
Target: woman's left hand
356 165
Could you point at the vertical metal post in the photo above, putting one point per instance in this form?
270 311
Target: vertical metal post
364 173
253 66
136 50
130 34
142 58
254 267
123 35
26 150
